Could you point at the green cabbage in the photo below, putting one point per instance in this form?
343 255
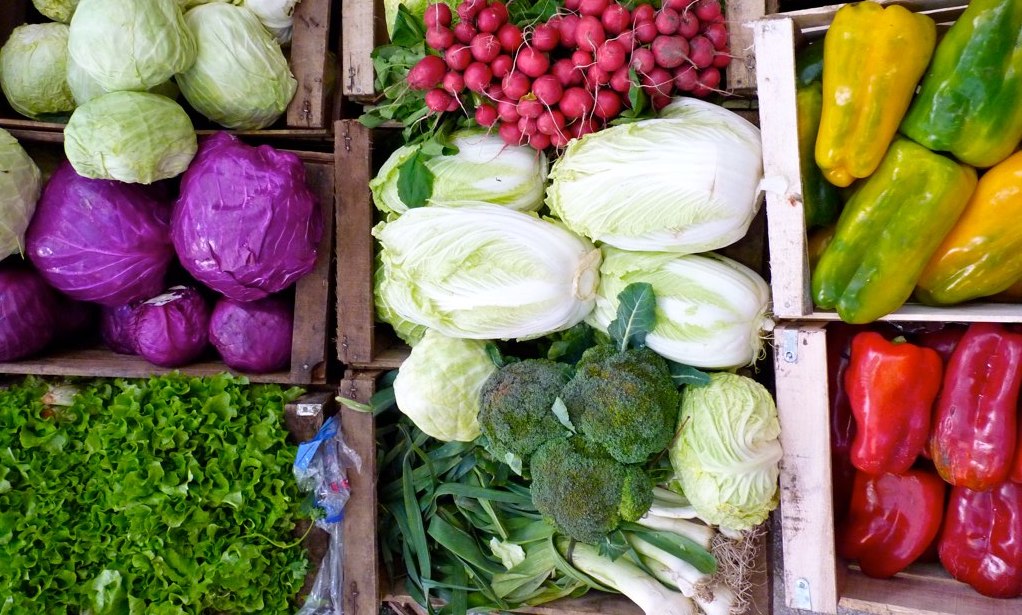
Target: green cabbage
409 332
277 16
240 78
84 88
726 456
20 184
439 384
57 10
484 170
486 272
711 311
686 184
132 137
33 70
130 45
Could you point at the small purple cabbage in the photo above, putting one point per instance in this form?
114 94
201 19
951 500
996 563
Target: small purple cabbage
100 240
117 326
245 223
253 336
28 313
172 329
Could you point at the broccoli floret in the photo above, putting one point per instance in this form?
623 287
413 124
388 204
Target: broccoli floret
584 492
624 401
515 405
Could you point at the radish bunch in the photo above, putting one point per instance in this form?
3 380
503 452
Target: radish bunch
570 75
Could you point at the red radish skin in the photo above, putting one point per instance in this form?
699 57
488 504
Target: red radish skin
658 81
566 73
488 20
454 105
516 84
645 32
611 56
685 78
669 51
509 132
485 47
568 25
501 66
660 101
486 115
607 106
468 9
572 5
550 123
643 12
678 5
721 59
548 89
508 111
464 32
532 62
510 37
438 100
707 10
576 103
530 108
590 35
581 128
478 76
709 81
494 92
643 60
593 7
527 125
439 38
427 73
437 14
700 51
717 33
621 81
626 39
616 19
667 21
501 10
545 37
560 140
688 24
454 82
596 76
458 57
582 59
539 141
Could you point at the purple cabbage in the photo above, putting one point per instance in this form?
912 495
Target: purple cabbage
29 310
172 329
245 223
117 326
100 240
253 336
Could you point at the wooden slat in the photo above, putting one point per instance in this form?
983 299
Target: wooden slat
311 35
818 19
741 72
363 20
932 594
362 587
807 516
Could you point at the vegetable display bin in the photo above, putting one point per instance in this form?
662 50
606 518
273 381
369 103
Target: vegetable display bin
814 576
364 28
311 57
777 39
310 353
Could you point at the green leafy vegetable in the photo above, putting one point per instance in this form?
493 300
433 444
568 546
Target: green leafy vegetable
636 315
686 374
414 181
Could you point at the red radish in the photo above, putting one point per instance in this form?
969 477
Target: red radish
688 25
717 33
510 37
610 56
670 51
645 32
568 25
539 141
608 105
707 10
454 82
616 19
508 111
527 125
660 101
516 84
501 10
458 57
486 115
576 103
478 76
494 92
437 14
566 72
596 76
621 81
530 107
593 7
454 105
678 5
685 78
589 35
468 9
572 5
657 81
700 51
532 61
643 12
626 39
548 89
667 21
485 47
438 100
551 122
581 128
509 132
464 32
582 59
545 37
708 78
560 140
488 20
721 59
643 60
427 73
439 38
501 66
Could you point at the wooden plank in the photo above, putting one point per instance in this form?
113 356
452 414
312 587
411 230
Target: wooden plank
818 19
931 594
362 587
807 516
309 46
741 72
363 19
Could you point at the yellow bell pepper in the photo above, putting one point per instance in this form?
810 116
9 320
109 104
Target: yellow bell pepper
873 57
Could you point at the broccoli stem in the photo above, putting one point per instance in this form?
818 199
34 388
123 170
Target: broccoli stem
699 533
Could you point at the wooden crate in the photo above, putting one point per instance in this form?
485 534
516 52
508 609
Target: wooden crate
365 582
777 39
814 577
364 29
312 57
310 352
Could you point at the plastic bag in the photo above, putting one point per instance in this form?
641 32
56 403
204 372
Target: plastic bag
321 467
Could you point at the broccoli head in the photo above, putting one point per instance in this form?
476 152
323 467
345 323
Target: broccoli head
515 405
626 402
584 491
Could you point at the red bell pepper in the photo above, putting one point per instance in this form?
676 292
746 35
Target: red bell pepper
893 518
842 423
943 340
891 386
974 425
981 543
